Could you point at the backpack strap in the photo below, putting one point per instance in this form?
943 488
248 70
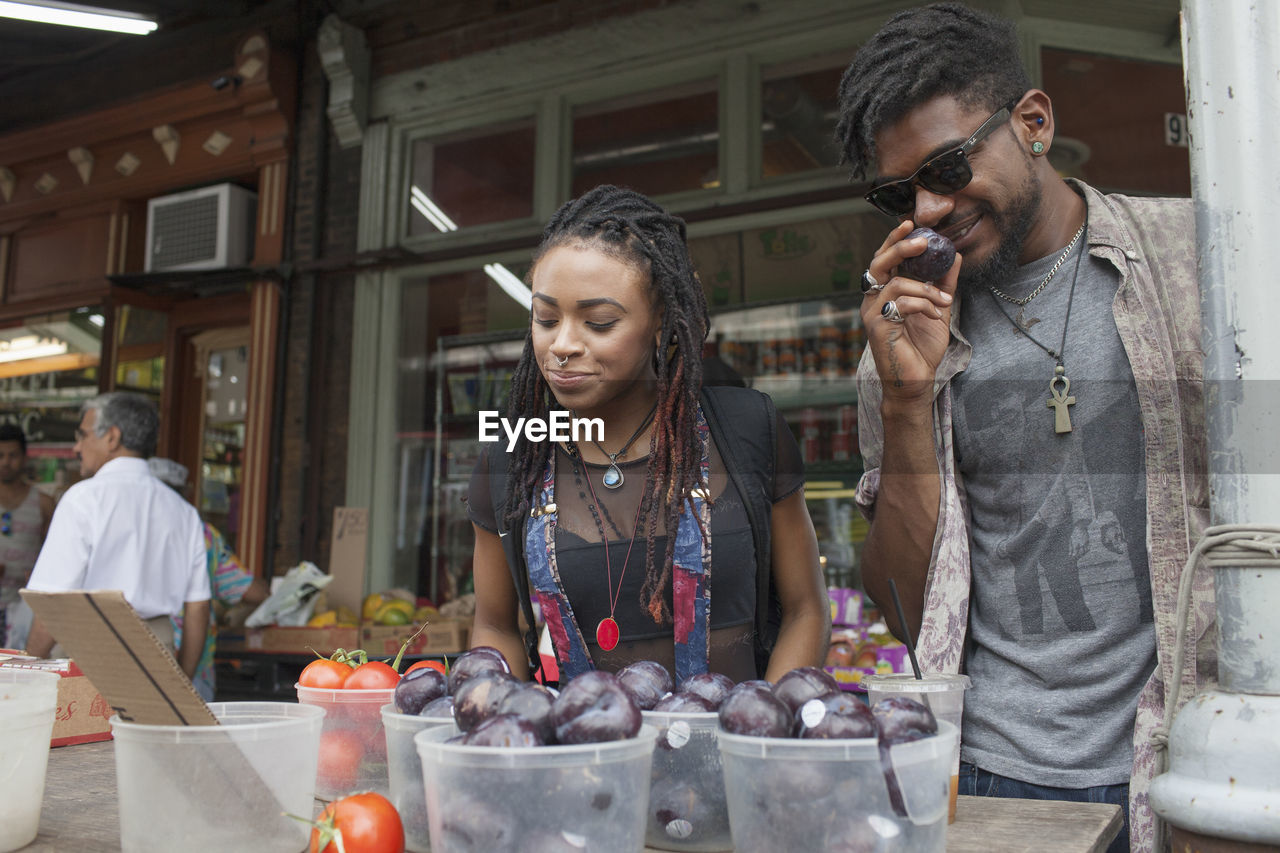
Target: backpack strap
513 547
744 425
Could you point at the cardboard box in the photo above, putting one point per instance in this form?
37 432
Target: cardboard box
82 712
445 636
283 640
135 673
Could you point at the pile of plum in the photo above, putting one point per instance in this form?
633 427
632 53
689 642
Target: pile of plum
493 708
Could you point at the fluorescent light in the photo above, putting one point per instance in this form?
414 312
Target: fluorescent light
507 280
514 287
97 320
71 15
20 349
428 208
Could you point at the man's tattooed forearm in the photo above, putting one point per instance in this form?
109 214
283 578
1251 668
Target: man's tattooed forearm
894 368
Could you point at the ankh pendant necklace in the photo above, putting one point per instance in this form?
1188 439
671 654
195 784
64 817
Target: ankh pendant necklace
607 631
1060 385
613 478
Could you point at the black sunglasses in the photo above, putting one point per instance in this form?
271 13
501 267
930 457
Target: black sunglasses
947 173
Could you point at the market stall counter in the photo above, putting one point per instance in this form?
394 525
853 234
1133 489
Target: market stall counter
80 814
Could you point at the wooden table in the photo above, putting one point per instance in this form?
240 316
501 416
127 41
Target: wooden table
79 814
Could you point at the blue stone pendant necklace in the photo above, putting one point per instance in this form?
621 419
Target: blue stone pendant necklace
613 474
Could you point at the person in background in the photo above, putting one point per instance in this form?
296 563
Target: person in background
24 518
1032 420
618 535
229 582
123 529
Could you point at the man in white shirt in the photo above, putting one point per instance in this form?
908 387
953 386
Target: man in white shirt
124 529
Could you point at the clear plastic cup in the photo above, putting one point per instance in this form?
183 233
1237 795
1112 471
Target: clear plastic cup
590 796
404 770
944 694
28 701
226 787
791 794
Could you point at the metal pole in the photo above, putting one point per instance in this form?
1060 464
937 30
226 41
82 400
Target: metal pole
1231 52
1222 791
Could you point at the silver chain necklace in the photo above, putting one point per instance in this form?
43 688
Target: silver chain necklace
1060 397
1053 269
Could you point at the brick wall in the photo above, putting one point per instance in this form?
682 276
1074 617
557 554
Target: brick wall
313 442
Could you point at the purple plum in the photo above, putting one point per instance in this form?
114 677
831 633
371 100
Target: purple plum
753 710
933 263
419 688
503 730
834 716
594 708
478 698
711 686
477 660
802 684
646 681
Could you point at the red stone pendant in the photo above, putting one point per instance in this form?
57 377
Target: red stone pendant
607 634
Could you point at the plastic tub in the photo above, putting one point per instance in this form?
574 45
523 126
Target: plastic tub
404 771
687 807
787 794
224 787
353 747
944 694
591 797
28 702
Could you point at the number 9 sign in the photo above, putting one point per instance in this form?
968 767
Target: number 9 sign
1175 130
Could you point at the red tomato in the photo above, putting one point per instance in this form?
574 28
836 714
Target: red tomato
325 674
428 664
368 823
374 675
341 752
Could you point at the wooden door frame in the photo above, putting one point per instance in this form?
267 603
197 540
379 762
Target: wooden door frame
183 395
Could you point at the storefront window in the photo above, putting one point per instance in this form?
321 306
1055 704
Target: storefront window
140 350
1120 124
225 365
460 335
798 116
657 142
472 178
48 368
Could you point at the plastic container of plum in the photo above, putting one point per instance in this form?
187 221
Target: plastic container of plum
224 787
404 772
787 794
353 745
687 806
508 800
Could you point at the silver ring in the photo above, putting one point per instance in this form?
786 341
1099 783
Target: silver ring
889 311
869 283
561 362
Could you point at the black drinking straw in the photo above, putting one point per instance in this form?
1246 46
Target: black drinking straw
906 630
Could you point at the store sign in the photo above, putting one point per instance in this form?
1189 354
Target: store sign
45 425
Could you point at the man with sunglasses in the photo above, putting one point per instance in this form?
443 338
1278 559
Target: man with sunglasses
1032 500
24 517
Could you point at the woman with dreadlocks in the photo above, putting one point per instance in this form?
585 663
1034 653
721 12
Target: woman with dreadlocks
622 539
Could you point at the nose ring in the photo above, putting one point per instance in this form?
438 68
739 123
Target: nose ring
561 362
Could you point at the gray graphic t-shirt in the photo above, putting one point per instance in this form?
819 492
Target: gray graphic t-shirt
1061 635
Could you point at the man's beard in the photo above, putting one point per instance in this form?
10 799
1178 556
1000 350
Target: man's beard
1012 224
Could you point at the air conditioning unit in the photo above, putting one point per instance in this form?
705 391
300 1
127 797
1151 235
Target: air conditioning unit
208 228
